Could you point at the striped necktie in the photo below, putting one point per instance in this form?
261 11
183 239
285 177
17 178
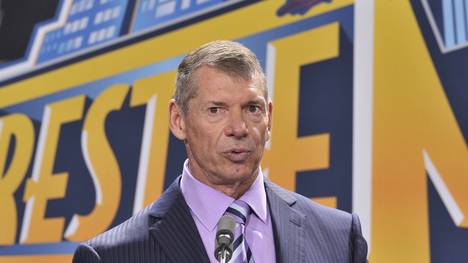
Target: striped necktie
240 211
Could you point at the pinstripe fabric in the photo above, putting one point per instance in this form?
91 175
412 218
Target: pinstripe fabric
312 233
165 232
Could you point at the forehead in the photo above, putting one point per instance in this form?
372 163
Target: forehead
212 82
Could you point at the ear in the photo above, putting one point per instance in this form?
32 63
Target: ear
176 120
270 112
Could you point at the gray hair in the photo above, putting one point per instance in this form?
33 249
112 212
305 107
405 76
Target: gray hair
229 57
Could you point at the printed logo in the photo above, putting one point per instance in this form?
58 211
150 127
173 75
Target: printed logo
300 7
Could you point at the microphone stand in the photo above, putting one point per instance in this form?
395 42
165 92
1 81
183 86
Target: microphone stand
224 238
224 255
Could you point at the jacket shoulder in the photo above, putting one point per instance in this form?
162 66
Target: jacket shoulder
131 241
118 244
326 227
335 218
312 210
339 228
134 229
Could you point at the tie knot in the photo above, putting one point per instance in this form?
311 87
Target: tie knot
240 210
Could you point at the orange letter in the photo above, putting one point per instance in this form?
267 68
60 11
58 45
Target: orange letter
415 132
305 153
102 166
19 126
44 184
155 92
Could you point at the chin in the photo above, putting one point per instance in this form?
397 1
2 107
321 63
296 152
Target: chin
240 174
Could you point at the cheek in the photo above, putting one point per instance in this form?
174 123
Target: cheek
260 133
205 141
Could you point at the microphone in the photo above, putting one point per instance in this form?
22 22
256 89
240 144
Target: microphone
224 238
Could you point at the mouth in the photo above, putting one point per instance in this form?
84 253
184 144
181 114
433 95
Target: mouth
237 154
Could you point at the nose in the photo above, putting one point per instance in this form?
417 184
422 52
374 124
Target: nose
237 127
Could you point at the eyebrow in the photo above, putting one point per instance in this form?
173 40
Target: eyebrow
255 101
217 103
222 104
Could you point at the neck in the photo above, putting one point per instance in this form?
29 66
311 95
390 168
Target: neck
233 189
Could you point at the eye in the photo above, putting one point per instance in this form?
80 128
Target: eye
214 110
254 108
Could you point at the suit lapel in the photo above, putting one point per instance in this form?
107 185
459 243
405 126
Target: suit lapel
288 224
174 229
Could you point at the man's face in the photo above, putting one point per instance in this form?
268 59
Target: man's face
225 128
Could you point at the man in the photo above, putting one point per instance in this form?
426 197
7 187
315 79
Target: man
222 113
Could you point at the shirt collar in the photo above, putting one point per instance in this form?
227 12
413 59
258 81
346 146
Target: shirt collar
208 204
256 197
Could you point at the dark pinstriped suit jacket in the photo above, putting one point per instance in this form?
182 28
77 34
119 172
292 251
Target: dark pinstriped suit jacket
165 232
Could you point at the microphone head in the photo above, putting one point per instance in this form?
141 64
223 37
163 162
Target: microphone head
226 226
224 237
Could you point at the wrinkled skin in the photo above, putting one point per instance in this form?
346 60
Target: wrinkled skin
224 130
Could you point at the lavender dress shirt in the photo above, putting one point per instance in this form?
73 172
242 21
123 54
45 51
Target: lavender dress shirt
207 205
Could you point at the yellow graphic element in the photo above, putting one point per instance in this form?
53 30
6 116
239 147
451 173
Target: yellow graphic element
102 165
154 92
44 185
37 259
19 127
412 122
288 153
231 25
